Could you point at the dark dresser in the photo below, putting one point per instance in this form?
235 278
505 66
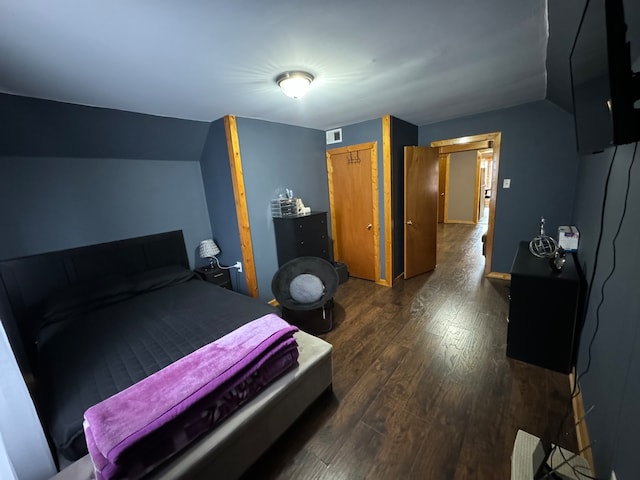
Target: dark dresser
544 311
301 236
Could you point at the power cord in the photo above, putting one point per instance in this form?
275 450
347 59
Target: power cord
615 238
576 388
593 273
224 268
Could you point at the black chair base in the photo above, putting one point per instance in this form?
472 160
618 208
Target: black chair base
303 314
316 321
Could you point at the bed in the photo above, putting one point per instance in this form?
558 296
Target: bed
89 322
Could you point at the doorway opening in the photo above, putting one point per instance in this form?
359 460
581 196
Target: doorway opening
487 146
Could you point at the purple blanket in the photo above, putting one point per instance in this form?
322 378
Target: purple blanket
133 431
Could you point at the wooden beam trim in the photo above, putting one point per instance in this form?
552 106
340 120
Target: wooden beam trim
482 145
376 212
388 232
240 197
464 140
336 249
493 201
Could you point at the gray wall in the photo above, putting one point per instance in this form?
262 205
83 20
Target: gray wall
44 128
57 190
56 203
218 187
275 155
538 154
613 316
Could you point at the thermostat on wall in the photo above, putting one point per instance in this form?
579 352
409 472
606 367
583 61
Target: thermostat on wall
334 136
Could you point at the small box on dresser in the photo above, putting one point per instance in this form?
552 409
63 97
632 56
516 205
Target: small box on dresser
215 275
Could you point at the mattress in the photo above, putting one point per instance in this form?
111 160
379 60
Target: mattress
94 353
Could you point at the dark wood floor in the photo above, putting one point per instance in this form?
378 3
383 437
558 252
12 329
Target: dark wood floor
422 386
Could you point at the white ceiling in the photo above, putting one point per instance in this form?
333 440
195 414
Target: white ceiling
422 61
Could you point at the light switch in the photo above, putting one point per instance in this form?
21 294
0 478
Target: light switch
506 183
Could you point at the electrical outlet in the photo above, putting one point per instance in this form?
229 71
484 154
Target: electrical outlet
613 476
506 183
238 265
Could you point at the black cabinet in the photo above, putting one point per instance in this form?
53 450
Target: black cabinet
218 276
301 236
544 311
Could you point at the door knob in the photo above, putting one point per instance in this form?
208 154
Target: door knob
442 194
409 222
369 227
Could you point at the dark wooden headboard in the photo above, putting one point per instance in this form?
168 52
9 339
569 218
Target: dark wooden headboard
27 281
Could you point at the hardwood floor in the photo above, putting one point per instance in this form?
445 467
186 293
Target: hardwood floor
422 386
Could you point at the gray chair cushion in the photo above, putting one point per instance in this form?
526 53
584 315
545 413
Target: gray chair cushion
306 288
314 266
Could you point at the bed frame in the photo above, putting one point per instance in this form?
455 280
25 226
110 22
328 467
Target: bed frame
26 281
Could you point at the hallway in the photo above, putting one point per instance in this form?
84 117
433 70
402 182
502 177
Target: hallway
422 386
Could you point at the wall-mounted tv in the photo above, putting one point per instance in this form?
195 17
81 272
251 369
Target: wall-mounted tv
605 88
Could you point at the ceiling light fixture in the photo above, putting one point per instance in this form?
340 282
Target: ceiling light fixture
294 84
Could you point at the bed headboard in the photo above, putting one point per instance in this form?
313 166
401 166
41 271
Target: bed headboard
26 281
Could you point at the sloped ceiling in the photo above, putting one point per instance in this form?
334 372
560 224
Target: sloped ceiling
422 61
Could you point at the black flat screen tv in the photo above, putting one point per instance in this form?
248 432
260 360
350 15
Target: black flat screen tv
604 86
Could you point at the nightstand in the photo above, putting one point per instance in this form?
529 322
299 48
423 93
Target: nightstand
544 311
215 275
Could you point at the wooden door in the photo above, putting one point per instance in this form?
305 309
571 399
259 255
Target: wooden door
483 187
442 187
421 165
353 198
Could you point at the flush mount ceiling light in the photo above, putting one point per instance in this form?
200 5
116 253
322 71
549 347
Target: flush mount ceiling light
294 84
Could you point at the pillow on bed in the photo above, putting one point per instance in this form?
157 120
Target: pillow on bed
85 296
160 277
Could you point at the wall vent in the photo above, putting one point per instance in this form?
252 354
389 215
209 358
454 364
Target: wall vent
334 136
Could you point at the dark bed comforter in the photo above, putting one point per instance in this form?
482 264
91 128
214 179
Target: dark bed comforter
98 349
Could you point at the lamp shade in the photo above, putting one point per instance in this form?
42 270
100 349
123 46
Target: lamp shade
294 84
208 249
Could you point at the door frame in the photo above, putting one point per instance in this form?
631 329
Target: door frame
373 147
476 197
475 142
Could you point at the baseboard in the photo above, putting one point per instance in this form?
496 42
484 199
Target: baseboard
579 418
498 275
461 222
